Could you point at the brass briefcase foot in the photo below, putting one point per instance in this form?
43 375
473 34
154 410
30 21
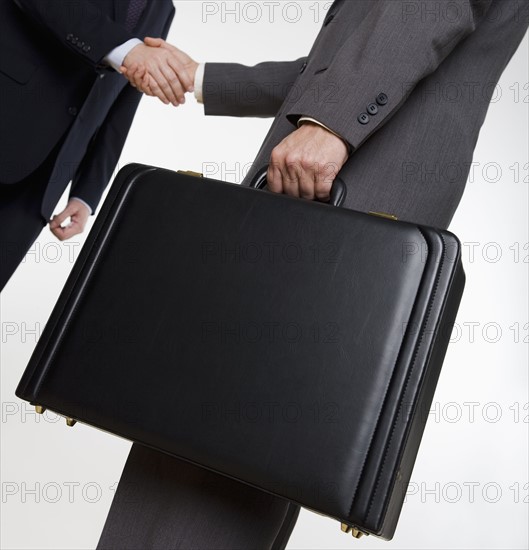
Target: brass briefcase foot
357 533
39 409
353 530
70 421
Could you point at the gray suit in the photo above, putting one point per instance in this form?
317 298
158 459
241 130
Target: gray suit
437 63
436 73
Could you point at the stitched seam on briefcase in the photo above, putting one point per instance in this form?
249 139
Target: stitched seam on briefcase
63 301
415 354
381 408
86 279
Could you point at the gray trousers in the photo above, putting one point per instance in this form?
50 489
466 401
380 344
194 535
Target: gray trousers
163 504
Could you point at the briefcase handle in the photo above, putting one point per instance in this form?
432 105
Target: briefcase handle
338 190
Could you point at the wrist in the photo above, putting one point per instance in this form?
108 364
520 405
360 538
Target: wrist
115 57
194 68
128 59
83 203
318 131
315 123
198 81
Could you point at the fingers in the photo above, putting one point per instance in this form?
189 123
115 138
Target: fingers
325 180
177 60
164 83
142 77
161 88
306 163
286 174
146 85
135 75
78 214
301 179
291 173
56 226
160 43
186 80
274 178
174 86
67 232
153 89
161 82
57 220
160 69
308 181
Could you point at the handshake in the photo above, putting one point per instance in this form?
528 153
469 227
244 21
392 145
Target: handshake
157 68
303 165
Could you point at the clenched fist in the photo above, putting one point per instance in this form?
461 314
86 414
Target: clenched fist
306 163
78 214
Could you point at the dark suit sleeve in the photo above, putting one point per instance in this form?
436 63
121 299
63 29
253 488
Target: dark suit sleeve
230 89
79 25
101 159
398 43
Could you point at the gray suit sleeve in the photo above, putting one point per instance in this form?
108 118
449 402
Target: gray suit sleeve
230 89
398 43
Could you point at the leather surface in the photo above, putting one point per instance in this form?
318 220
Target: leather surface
267 338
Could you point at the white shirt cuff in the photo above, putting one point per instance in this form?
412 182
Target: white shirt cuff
303 119
116 57
85 203
199 82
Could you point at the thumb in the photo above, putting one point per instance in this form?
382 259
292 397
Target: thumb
57 220
154 42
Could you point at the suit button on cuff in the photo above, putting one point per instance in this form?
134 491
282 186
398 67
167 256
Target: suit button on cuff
363 118
86 48
382 99
72 111
372 109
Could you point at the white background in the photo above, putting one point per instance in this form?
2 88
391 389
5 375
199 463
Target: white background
470 481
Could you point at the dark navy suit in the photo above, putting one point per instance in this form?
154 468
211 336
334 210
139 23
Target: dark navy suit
64 113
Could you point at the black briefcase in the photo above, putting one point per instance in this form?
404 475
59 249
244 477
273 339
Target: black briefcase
291 345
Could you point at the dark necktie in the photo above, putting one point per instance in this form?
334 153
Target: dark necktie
134 12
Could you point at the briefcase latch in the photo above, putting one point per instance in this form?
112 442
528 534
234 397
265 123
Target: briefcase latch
190 173
384 215
353 530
